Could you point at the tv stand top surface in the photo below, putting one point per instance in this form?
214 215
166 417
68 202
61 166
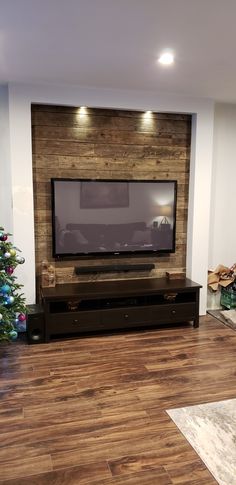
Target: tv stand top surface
99 289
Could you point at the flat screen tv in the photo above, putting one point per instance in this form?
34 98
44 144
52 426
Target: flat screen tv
97 217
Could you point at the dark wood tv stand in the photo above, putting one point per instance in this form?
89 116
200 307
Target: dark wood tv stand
107 305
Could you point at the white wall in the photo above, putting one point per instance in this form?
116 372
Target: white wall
20 98
222 248
200 201
5 163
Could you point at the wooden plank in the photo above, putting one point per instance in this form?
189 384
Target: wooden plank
108 112
87 163
112 137
136 122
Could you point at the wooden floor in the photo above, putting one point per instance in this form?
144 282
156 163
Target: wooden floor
92 410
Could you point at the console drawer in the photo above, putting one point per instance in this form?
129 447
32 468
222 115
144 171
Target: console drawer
125 317
174 312
72 322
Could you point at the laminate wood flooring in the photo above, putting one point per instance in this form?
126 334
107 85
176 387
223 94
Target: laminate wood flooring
92 410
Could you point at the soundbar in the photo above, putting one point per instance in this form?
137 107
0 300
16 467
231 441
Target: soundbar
114 268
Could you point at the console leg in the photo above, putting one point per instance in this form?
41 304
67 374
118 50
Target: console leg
196 323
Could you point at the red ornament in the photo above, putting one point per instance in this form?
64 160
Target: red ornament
3 237
9 269
21 317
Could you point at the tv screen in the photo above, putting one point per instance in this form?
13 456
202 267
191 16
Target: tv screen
95 217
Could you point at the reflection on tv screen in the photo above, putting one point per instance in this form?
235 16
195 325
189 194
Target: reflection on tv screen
104 216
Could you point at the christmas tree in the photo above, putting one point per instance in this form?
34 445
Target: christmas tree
12 302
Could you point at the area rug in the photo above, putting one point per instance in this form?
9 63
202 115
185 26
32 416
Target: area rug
211 430
227 317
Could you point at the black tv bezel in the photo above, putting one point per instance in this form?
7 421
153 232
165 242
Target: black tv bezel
107 254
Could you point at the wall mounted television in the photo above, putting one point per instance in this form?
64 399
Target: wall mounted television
113 217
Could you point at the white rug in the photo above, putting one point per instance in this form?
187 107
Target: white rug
211 430
230 317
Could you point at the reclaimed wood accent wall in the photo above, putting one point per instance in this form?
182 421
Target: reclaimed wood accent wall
112 144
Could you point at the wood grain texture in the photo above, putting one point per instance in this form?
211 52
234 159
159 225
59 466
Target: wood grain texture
113 144
91 410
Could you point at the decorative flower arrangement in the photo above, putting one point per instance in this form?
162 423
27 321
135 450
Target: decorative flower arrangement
12 302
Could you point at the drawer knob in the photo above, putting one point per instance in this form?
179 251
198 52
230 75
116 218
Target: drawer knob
75 321
173 312
126 315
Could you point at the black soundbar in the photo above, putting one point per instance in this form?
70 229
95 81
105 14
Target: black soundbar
114 268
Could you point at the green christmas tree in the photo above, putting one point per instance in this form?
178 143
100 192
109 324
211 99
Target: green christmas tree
12 302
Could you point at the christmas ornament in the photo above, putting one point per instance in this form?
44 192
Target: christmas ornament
5 289
13 334
9 300
9 270
7 255
20 259
3 237
21 317
12 252
0 316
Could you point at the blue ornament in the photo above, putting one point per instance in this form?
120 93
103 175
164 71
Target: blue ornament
9 300
5 289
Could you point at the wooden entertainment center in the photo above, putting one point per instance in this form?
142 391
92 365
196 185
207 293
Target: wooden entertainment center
77 308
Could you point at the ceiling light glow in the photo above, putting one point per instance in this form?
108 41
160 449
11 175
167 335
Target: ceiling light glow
82 115
83 109
166 58
147 114
147 118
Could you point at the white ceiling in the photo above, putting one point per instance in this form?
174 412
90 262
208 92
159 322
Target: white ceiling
116 43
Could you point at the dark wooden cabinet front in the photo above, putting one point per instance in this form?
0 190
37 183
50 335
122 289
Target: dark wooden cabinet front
93 306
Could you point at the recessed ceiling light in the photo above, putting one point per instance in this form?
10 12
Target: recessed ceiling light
166 58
